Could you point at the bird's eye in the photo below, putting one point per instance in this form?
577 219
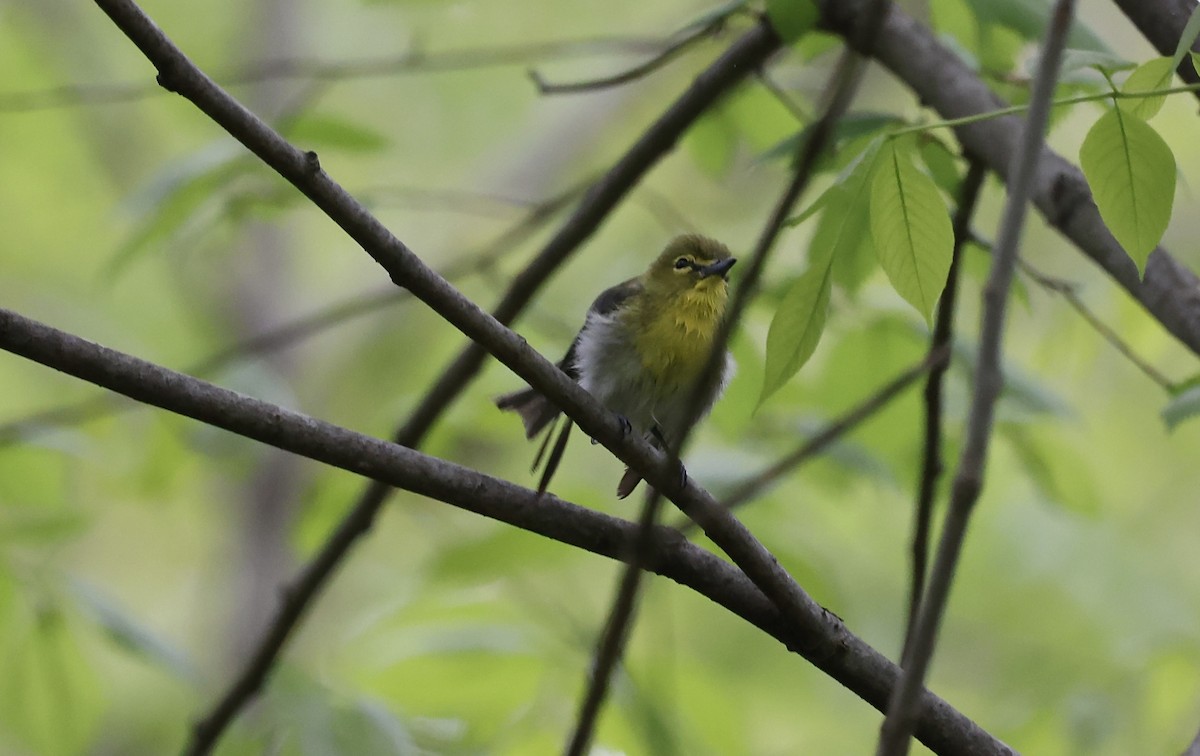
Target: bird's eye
682 263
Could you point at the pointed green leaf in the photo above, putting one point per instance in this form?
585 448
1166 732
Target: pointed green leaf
1104 62
1151 76
1132 174
808 212
844 227
792 19
910 227
327 130
798 323
1181 407
1196 61
941 162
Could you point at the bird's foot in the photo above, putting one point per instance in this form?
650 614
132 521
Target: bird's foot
626 427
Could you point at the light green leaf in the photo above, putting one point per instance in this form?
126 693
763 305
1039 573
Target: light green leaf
129 633
712 141
941 163
1132 174
1076 60
910 227
59 701
1028 19
326 130
1196 61
185 192
799 321
1181 407
792 19
808 212
845 226
848 129
1187 39
711 16
1148 77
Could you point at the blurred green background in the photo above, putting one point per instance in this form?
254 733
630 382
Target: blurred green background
140 553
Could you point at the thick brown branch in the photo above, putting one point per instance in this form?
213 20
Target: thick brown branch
822 639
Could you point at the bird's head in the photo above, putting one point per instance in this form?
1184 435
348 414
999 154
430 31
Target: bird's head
691 265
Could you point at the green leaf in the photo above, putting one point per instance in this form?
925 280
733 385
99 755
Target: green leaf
792 19
808 212
1196 61
1104 62
1181 407
712 141
325 130
129 633
1132 174
845 225
910 227
1187 39
848 129
799 321
941 162
184 192
710 17
1028 19
1150 76
58 698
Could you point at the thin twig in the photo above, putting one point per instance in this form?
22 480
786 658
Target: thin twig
840 91
1069 291
864 410
672 51
902 710
822 639
943 335
415 61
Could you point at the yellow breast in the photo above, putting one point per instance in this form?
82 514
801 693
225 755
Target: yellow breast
673 341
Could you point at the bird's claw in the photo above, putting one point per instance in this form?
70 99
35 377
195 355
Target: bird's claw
626 427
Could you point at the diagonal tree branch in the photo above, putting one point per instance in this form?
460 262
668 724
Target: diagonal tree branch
824 641
1161 22
410 62
943 81
989 380
303 170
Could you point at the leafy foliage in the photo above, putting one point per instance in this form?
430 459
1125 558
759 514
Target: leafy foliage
1132 173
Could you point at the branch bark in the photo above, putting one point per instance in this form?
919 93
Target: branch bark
822 639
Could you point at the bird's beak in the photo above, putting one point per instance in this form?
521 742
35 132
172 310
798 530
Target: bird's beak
719 268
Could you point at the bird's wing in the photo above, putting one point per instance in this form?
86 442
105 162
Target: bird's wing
608 301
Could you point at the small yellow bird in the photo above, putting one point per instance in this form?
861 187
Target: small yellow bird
642 347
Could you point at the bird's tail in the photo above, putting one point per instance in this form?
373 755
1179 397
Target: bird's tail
535 410
537 413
